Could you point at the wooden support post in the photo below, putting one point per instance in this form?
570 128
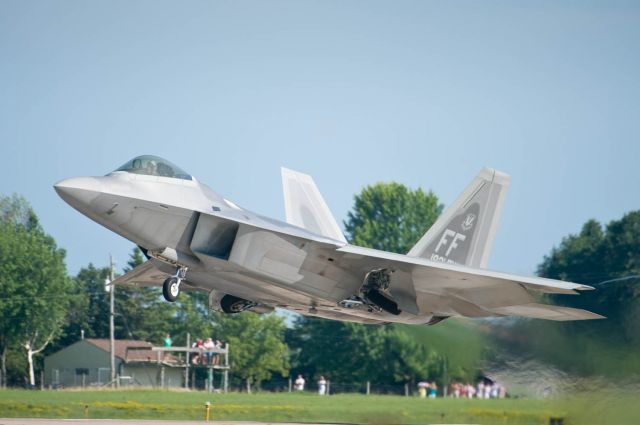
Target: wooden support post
368 387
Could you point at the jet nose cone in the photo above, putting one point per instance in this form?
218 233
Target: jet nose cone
78 192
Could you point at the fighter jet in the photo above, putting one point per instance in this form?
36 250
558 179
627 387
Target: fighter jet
196 239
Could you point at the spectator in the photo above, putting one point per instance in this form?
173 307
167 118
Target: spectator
422 389
432 391
195 357
456 390
209 346
166 342
494 390
322 385
471 391
487 391
480 389
198 358
215 358
299 383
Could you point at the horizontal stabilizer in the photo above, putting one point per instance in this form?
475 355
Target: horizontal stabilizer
548 312
304 206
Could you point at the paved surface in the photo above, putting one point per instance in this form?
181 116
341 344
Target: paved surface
125 422
131 422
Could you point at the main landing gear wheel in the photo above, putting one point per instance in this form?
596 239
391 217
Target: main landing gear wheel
232 305
171 286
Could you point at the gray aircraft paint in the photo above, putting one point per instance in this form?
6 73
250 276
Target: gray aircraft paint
453 243
305 264
472 246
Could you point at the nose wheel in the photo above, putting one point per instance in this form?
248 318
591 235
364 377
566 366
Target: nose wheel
171 286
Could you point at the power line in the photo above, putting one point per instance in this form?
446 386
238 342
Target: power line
619 279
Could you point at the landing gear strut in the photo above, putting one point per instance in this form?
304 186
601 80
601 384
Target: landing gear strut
171 286
374 294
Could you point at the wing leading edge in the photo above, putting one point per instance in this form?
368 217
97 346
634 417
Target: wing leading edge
144 275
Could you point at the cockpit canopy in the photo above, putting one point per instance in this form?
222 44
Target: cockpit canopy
154 166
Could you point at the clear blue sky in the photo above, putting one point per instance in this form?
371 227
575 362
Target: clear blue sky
352 92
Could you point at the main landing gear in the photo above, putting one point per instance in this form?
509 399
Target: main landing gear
171 286
232 305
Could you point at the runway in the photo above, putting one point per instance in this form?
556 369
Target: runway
19 421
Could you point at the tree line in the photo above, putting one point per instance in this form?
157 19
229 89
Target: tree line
43 309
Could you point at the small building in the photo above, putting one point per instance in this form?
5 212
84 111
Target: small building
87 363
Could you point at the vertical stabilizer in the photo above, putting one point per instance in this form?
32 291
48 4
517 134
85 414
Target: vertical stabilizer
464 233
305 207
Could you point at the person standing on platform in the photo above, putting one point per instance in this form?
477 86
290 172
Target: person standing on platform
166 342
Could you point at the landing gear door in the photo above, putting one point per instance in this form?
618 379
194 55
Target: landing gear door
402 290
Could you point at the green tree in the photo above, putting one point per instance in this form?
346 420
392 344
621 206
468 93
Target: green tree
92 281
351 352
34 282
192 316
391 217
257 347
607 257
342 351
88 309
141 313
405 360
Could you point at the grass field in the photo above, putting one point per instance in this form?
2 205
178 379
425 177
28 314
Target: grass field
154 404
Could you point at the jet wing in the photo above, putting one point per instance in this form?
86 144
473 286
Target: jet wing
421 286
144 275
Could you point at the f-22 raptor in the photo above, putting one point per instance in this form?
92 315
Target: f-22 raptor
194 238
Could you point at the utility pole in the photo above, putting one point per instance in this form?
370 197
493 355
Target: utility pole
186 368
112 348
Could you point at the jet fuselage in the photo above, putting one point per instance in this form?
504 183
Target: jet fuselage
171 220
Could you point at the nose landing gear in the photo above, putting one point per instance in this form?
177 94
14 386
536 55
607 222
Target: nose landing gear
171 286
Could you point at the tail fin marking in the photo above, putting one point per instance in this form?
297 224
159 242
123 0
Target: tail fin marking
466 230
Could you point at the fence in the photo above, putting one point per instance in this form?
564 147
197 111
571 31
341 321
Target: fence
286 385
